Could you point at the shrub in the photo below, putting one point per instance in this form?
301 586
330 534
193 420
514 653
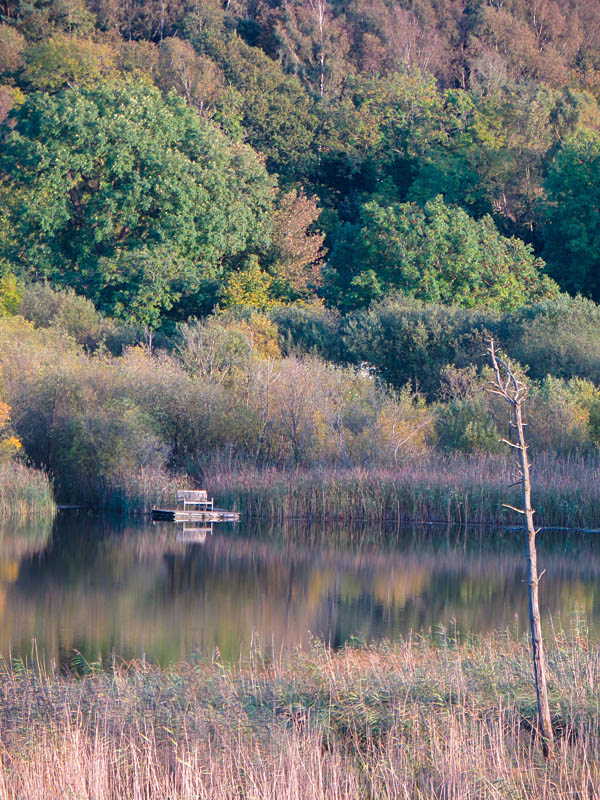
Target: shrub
74 315
411 342
563 416
309 329
468 417
559 337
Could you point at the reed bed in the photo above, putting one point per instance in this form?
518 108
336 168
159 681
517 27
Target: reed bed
25 494
566 492
415 719
138 493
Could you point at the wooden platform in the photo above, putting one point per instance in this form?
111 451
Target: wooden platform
205 515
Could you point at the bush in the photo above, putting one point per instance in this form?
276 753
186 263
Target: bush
76 316
467 426
411 342
564 416
309 329
559 337
468 418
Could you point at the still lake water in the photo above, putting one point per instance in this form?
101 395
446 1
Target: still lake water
101 587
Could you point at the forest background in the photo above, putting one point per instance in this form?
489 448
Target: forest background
279 234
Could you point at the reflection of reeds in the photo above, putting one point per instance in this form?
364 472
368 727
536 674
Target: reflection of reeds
409 720
449 489
23 539
25 494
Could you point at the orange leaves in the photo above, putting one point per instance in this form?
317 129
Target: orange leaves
9 444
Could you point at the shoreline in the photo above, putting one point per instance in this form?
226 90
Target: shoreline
429 491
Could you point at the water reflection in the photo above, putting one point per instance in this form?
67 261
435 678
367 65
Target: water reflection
106 587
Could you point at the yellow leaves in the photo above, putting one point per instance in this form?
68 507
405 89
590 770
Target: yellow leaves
9 447
11 294
248 287
262 335
4 414
69 61
9 444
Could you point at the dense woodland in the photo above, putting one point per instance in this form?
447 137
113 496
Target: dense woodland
260 194
163 157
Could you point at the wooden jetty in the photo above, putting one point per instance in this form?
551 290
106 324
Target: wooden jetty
214 515
194 506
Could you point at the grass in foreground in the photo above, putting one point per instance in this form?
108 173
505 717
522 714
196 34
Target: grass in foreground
408 720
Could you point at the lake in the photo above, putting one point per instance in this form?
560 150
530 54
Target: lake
99 587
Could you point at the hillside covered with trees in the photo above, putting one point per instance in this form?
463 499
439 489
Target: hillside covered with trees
351 195
163 157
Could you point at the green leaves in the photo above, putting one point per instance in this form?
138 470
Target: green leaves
437 253
129 198
572 215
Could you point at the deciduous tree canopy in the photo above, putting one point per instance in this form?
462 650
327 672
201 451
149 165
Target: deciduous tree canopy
127 172
572 215
437 253
130 198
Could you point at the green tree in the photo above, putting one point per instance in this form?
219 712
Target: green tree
572 215
400 137
129 198
376 137
278 116
437 253
63 60
525 126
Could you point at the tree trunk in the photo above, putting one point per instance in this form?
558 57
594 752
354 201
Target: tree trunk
507 385
537 643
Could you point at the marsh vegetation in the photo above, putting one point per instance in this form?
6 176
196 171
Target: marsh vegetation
410 719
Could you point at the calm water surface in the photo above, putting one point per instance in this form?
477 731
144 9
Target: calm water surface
107 587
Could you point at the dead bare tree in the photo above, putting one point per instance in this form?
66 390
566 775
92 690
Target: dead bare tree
508 386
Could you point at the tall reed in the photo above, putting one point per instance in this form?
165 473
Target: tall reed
417 719
137 493
450 489
25 494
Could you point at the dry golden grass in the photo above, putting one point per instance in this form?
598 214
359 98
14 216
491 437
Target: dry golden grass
408 720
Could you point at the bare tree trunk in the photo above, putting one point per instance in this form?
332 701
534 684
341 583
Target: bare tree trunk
511 389
318 9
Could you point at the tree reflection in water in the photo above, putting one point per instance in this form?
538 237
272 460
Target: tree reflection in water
105 588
